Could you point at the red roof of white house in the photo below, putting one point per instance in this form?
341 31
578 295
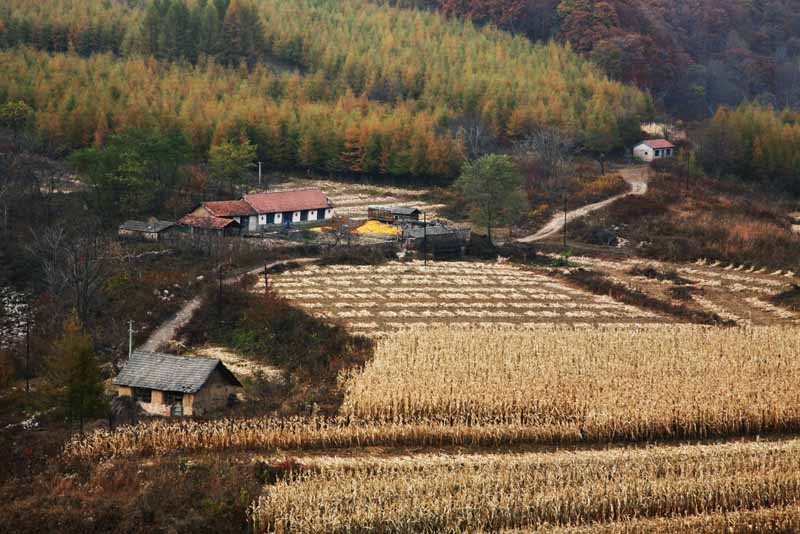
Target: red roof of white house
214 223
658 143
229 208
299 200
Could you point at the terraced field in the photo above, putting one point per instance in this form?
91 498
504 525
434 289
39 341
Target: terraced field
736 292
379 300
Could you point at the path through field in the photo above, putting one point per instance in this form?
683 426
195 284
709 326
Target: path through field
636 178
166 332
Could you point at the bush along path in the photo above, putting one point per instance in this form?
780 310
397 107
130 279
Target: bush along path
166 332
636 178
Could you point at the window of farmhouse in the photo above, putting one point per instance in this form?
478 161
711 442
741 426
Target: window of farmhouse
142 395
172 397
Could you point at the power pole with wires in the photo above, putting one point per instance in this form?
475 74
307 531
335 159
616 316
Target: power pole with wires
425 238
28 353
565 221
259 174
130 339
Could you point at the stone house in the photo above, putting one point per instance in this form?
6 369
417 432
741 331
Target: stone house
210 226
237 210
153 230
392 214
169 385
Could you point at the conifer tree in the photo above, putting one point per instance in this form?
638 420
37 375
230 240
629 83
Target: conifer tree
74 376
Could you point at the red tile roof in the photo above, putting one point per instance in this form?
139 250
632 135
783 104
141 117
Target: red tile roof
229 208
658 143
302 199
214 223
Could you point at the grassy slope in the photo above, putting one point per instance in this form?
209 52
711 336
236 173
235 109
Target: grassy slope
716 219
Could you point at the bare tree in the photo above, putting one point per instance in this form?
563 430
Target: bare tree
477 137
74 267
547 156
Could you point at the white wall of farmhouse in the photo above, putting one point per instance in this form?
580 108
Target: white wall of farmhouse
312 215
328 213
296 216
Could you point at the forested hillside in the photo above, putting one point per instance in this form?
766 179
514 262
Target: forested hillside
337 86
692 54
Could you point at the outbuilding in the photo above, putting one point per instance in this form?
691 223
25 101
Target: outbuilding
210 226
392 214
237 210
153 230
169 385
653 149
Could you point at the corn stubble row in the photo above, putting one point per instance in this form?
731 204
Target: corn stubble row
504 387
602 384
779 520
568 489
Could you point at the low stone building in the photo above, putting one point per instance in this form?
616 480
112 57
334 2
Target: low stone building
210 226
153 230
238 210
169 385
392 214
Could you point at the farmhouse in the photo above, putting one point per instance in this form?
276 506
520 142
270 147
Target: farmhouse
285 207
237 210
153 230
392 214
210 226
169 385
653 149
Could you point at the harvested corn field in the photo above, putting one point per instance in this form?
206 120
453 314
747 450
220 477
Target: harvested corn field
555 386
602 384
451 493
379 300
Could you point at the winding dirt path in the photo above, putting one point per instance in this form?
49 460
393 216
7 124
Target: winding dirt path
166 332
637 180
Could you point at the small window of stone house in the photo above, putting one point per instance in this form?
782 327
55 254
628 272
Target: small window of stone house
142 395
173 397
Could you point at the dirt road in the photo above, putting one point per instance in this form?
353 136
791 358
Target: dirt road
636 178
166 332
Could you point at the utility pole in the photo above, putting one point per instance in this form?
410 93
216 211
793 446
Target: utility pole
259 174
565 221
688 160
425 237
219 271
28 353
130 339
266 280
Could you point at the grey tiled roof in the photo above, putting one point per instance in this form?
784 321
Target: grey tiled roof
397 210
139 226
166 372
419 232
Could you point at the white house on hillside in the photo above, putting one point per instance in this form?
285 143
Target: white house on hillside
653 149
